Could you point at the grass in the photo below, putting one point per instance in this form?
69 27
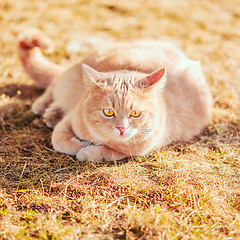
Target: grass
183 191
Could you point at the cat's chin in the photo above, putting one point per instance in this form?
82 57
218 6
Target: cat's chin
125 137
122 138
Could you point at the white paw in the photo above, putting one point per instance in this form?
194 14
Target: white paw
52 116
90 153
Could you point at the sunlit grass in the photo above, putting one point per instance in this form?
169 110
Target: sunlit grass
183 191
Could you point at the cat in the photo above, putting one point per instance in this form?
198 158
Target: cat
123 100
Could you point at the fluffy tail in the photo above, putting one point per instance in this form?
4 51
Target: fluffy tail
35 64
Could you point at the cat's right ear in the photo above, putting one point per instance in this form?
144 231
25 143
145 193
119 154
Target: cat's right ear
91 75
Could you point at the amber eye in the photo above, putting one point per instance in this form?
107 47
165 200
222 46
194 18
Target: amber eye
108 112
135 114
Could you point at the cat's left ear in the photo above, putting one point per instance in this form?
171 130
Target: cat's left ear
91 74
156 79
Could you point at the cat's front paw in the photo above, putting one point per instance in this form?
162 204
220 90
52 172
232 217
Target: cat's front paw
90 153
97 153
52 116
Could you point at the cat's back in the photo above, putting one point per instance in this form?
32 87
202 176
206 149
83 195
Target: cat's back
144 56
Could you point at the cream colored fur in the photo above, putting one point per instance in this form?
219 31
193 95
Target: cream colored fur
151 77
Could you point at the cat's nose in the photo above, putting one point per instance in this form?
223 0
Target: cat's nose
121 130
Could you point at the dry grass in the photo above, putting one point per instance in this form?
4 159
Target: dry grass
183 191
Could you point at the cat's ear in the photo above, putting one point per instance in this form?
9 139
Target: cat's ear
153 80
91 74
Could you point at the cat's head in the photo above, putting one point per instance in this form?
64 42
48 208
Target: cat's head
122 106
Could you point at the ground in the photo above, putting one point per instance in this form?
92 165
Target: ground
183 191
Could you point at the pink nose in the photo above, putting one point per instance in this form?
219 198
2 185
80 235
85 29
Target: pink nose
121 130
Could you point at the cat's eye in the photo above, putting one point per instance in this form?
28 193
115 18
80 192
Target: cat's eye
108 112
135 114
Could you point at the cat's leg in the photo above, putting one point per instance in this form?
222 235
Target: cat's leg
64 140
53 115
97 153
42 103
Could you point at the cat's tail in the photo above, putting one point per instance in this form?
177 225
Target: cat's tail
35 64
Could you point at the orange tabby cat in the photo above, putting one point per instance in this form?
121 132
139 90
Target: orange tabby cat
123 100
